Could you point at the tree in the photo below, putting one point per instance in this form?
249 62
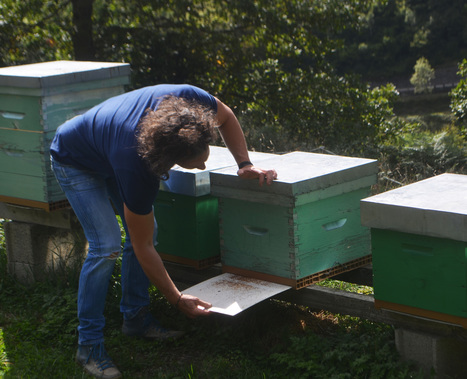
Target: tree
423 76
395 33
82 35
34 31
459 99
270 60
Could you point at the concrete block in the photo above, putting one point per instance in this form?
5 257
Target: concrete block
61 218
439 357
34 252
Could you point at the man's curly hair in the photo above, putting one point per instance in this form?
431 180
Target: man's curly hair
178 130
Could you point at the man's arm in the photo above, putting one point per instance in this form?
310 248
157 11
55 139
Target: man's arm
141 229
234 139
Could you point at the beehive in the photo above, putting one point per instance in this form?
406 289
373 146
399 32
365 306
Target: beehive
187 213
34 100
419 244
302 228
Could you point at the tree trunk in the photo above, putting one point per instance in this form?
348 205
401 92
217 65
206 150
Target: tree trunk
82 36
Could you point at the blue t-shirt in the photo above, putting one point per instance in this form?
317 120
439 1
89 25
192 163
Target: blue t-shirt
103 139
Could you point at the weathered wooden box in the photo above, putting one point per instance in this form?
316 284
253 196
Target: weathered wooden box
34 100
187 213
419 244
301 229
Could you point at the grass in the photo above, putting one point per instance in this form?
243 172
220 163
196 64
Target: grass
270 340
427 104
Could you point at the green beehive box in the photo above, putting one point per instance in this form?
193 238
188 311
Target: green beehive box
302 228
34 100
419 245
188 230
187 213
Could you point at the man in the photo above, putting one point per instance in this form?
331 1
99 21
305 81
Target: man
119 150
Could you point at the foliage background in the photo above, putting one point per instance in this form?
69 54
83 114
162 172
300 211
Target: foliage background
278 64
297 75
295 72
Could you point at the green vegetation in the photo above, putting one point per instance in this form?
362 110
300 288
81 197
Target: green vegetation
423 76
459 100
272 62
431 140
394 34
291 70
271 340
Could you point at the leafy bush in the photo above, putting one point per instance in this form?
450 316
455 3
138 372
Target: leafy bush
459 99
269 61
361 352
3 257
339 114
415 155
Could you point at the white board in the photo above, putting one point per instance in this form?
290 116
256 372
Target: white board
231 294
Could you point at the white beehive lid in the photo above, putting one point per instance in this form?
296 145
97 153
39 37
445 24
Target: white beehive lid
59 73
298 173
196 182
434 207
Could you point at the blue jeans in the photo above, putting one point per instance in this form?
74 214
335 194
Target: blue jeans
93 198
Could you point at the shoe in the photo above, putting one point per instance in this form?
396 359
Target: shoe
143 325
96 362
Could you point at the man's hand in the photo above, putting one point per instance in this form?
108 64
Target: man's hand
252 172
192 306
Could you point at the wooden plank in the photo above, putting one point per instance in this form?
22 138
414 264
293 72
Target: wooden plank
363 306
59 219
35 188
450 319
332 300
50 206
